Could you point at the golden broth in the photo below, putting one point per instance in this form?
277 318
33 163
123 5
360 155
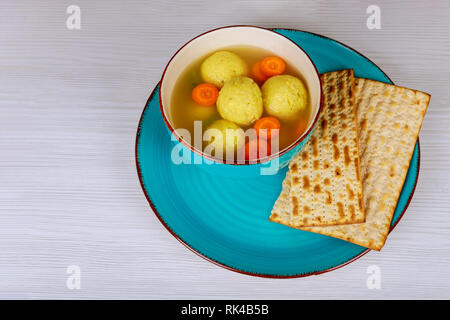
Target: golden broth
184 111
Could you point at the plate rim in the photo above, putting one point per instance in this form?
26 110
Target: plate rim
263 275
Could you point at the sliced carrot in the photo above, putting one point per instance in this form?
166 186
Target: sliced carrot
267 127
256 149
301 127
257 74
272 66
205 94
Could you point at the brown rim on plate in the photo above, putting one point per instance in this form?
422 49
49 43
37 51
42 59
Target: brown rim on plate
138 133
246 162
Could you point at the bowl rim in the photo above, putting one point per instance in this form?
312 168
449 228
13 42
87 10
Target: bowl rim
241 162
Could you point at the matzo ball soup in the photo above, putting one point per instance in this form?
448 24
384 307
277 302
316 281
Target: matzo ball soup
242 88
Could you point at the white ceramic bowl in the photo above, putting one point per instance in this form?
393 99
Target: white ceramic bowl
233 36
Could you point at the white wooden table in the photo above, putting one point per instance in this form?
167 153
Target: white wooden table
70 101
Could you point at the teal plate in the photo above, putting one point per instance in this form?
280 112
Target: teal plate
225 219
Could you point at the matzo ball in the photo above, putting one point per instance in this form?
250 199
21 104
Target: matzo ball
240 101
222 66
225 135
284 96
